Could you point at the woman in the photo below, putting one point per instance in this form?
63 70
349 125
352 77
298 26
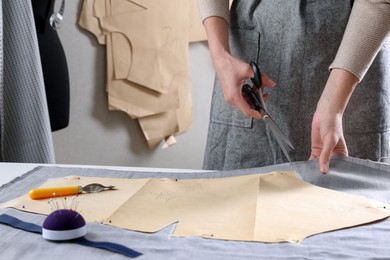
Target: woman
294 42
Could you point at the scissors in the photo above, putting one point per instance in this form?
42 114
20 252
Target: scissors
254 93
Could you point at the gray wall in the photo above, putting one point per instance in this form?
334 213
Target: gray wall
97 136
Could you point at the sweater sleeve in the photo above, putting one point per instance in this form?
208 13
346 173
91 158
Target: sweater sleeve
367 29
209 8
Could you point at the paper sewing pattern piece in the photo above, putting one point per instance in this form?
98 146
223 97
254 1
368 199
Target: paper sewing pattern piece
273 207
136 100
147 60
157 42
289 209
97 207
156 128
217 208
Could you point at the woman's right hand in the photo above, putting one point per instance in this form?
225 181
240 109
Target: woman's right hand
232 73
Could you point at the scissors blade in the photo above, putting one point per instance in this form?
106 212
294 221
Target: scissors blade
260 105
279 135
262 102
276 129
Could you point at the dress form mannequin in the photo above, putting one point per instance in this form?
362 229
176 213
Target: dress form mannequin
54 65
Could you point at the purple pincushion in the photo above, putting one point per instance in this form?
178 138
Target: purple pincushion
63 224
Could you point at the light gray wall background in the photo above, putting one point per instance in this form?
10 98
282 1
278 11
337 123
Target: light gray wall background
97 136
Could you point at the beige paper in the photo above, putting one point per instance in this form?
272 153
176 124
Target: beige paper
158 114
89 21
121 55
136 100
147 43
289 209
197 30
160 126
93 206
108 10
158 42
169 141
127 6
217 208
121 51
272 207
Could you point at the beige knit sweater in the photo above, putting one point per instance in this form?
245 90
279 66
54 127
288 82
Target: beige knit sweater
368 27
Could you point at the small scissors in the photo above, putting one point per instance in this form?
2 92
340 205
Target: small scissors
255 94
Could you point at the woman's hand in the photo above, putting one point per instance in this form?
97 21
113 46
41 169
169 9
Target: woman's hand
231 71
327 136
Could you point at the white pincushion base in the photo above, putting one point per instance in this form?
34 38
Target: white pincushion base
59 235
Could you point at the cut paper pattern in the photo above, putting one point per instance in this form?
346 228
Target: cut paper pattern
147 60
273 207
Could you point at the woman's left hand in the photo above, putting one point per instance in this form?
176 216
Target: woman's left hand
327 136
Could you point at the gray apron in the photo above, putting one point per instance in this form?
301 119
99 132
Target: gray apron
294 42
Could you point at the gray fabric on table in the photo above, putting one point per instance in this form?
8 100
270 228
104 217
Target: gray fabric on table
349 175
24 117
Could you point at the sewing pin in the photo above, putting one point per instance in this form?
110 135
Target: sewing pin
76 205
63 202
78 213
73 201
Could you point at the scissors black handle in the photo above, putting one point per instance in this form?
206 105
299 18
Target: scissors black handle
257 75
249 92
